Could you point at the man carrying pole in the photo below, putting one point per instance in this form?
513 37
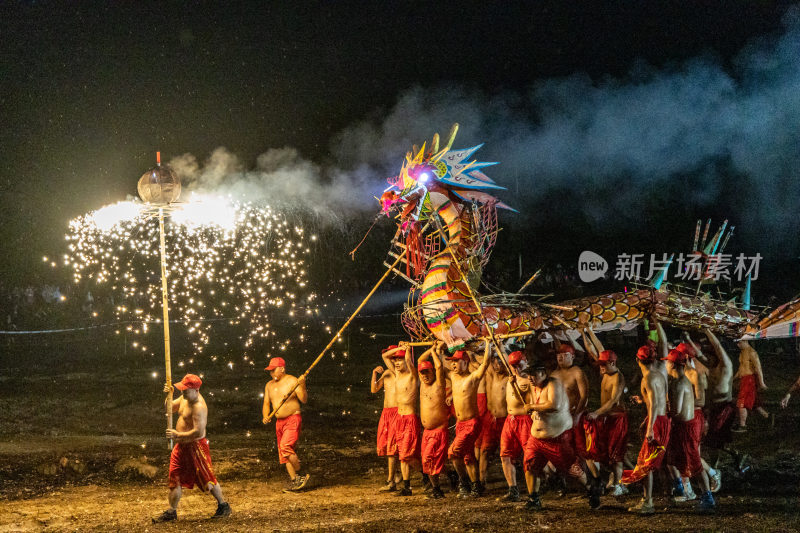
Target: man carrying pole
288 423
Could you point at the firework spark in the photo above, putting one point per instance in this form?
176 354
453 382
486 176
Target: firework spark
226 260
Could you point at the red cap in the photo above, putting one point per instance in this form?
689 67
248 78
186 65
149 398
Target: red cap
390 347
275 362
189 381
687 349
676 357
514 358
424 365
645 353
460 354
566 348
607 356
400 354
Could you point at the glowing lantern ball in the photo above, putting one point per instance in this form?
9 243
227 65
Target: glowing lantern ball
159 185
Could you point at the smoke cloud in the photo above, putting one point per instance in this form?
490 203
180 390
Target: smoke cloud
734 131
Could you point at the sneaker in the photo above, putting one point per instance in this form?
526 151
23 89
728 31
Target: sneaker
477 490
167 516
533 503
739 429
463 490
390 486
642 508
511 496
405 491
435 494
677 488
223 510
453 477
716 481
301 481
594 493
619 490
706 503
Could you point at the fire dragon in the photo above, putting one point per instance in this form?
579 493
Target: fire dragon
446 213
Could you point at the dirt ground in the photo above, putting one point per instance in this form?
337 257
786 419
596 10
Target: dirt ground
81 450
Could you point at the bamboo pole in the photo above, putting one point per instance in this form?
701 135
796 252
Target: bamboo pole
165 307
324 350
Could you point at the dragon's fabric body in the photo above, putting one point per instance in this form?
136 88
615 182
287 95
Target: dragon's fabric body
447 227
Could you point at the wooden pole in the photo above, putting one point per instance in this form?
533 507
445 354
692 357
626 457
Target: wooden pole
338 333
165 307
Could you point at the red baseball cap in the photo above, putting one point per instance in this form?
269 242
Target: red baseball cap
645 353
189 381
687 349
390 347
514 358
275 362
676 357
607 356
400 354
460 354
566 348
424 365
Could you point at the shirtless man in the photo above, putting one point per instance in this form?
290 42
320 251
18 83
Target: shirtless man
612 418
517 426
288 421
190 461
551 437
387 425
495 380
683 450
408 431
751 380
435 415
697 374
657 426
468 425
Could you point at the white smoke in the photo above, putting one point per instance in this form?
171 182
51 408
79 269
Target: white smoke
696 119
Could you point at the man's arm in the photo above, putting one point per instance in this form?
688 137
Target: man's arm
718 349
265 409
583 392
300 391
436 357
663 348
698 352
792 389
481 370
376 383
410 359
388 362
176 403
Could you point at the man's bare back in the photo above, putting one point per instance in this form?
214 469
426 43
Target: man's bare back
681 399
654 393
496 380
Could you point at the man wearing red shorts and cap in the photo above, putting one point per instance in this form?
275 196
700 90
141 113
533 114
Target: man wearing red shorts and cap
657 426
493 420
517 426
612 418
435 416
683 450
190 461
408 431
387 425
288 423
551 437
751 381
468 425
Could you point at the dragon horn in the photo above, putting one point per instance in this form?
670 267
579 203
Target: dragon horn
727 237
705 234
659 279
435 143
439 155
712 244
452 136
697 235
746 295
719 238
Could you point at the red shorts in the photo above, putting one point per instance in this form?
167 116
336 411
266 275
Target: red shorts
190 465
586 434
491 428
748 393
434 448
484 415
515 435
408 437
721 416
482 404
652 453
557 450
288 431
699 420
386 432
463 445
614 437
683 451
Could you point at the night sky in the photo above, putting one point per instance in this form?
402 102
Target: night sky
89 93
